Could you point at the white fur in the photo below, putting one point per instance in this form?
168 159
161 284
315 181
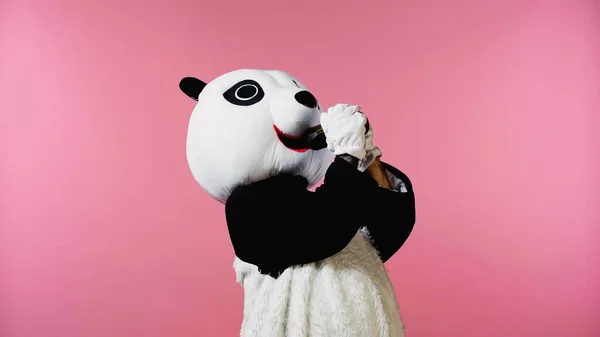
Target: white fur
346 295
228 145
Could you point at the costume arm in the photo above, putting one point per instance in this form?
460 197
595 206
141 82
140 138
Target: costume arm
392 213
275 227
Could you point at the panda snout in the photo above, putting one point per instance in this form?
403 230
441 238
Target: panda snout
306 98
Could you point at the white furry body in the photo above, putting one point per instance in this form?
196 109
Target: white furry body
346 295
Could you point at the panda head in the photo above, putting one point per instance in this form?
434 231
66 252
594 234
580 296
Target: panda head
246 127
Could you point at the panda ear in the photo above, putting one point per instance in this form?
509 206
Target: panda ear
192 87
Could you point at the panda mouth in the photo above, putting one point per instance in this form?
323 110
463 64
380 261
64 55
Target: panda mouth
312 139
294 143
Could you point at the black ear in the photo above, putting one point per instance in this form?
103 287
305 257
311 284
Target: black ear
192 87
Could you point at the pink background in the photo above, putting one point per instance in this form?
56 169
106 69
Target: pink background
492 107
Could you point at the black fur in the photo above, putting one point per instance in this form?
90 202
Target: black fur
278 223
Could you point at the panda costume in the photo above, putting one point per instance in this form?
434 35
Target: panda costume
310 263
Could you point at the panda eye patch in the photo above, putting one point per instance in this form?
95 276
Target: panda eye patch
244 93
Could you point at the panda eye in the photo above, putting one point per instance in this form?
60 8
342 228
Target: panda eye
244 93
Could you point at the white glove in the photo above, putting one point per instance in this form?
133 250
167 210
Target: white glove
372 151
344 128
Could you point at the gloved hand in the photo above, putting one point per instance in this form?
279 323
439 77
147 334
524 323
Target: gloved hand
344 128
372 151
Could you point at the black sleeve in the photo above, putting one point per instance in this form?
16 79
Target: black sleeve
392 215
274 226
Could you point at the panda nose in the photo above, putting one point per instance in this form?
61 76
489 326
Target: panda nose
306 98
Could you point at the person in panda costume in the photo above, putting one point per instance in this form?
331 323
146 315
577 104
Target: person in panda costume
311 262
